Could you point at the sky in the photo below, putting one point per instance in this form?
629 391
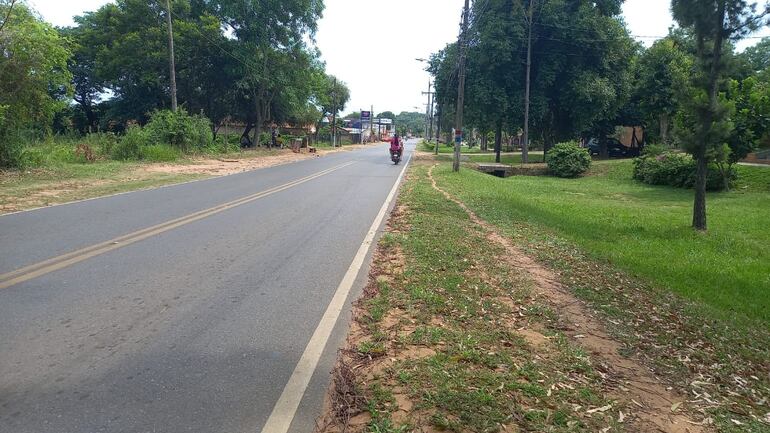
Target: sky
388 76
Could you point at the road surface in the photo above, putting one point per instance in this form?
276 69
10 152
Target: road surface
185 308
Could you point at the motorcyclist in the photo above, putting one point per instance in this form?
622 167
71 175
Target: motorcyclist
396 146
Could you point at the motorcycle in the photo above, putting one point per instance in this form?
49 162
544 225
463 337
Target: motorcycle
395 157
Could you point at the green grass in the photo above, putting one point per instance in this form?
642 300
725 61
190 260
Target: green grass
753 178
691 305
475 373
645 230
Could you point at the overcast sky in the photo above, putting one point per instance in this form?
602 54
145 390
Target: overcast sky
401 30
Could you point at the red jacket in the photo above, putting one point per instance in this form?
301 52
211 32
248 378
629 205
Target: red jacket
395 143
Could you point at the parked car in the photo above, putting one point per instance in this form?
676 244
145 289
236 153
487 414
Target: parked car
615 149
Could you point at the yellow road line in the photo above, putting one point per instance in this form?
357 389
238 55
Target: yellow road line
62 261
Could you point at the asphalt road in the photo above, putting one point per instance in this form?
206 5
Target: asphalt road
192 327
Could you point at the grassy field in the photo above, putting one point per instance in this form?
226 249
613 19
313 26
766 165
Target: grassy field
645 230
694 306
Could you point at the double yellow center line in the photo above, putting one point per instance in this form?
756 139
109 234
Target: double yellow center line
59 262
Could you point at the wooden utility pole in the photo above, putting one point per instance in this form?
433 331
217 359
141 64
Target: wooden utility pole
525 136
461 88
371 124
171 66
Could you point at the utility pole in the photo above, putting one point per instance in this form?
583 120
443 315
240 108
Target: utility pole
461 88
171 66
525 136
371 124
429 113
334 113
438 126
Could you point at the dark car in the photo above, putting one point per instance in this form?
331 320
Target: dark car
615 149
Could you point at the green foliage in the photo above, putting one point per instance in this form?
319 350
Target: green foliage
130 145
662 69
180 130
677 170
568 160
34 81
12 153
751 119
577 84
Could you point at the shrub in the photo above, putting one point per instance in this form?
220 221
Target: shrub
130 145
568 160
677 170
180 130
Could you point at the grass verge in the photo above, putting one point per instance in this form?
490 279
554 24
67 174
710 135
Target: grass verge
693 306
448 338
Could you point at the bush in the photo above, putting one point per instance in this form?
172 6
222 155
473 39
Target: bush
180 130
677 170
130 145
568 160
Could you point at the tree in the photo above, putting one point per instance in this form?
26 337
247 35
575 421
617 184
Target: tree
704 124
270 39
388 115
758 56
581 73
662 69
35 81
331 96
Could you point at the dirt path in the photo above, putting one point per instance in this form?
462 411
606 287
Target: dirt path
657 408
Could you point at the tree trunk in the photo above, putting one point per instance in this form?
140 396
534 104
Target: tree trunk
664 122
245 139
699 208
484 142
547 144
498 141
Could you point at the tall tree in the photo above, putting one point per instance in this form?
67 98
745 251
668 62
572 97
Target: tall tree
33 66
705 126
271 41
663 68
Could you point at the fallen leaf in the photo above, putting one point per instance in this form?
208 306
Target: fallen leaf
600 409
621 417
675 406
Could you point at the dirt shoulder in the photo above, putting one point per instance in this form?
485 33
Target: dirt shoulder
71 182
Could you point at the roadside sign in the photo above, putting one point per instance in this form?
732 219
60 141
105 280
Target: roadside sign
366 116
459 136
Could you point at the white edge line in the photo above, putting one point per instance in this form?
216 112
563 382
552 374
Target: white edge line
286 407
152 188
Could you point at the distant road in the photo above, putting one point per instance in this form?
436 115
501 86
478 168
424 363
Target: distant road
185 308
